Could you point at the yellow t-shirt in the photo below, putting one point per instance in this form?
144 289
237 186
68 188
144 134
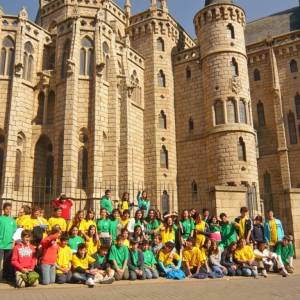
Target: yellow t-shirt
200 238
167 258
273 231
167 235
82 262
124 205
86 224
242 228
24 222
64 258
244 254
126 243
91 246
80 228
124 223
57 221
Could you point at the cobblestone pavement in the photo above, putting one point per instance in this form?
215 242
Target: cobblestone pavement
273 287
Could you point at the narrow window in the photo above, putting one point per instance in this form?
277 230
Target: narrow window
86 57
243 112
293 66
164 160
256 75
40 109
161 79
261 114
105 49
82 168
292 128
162 120
231 111
51 108
160 44
7 56
65 57
28 61
191 125
231 31
297 104
241 150
234 67
18 170
188 73
219 112
194 190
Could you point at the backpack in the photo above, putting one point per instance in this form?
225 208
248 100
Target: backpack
175 274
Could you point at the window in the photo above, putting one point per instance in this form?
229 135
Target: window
86 57
18 160
243 112
164 159
261 114
7 56
106 60
256 75
191 125
219 112
231 31
65 57
231 111
241 150
194 190
293 66
40 109
234 67
28 61
82 168
292 128
162 120
188 73
161 79
160 44
297 104
49 173
51 108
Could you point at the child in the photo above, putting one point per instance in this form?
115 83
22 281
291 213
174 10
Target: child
149 262
227 259
78 221
138 234
105 274
168 230
124 204
24 261
57 220
114 225
103 226
89 220
286 252
125 218
8 227
92 240
75 240
215 254
215 229
187 226
63 261
244 225
82 267
166 262
201 230
152 224
157 244
136 262
23 220
137 220
49 256
125 235
106 202
228 232
258 234
143 203
118 256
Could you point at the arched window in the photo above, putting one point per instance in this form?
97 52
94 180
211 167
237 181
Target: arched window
234 67
164 159
293 66
51 108
161 79
243 112
86 57
297 104
194 190
261 114
40 109
82 168
65 57
162 120
106 60
219 112
256 75
49 173
160 44
231 31
188 73
7 56
292 128
191 124
231 111
18 161
242 150
28 61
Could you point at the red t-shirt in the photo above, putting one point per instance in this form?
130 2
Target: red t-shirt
65 205
49 249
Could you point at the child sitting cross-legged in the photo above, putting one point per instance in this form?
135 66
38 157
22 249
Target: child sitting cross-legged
149 262
24 261
136 262
169 262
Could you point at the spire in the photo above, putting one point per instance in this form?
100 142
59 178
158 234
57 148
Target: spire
23 14
153 4
127 8
164 5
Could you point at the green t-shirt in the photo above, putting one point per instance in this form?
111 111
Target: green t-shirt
99 259
113 229
149 258
228 234
285 252
135 258
152 225
74 242
188 226
103 225
8 227
106 203
119 254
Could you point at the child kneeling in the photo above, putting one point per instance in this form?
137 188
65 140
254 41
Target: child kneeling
24 261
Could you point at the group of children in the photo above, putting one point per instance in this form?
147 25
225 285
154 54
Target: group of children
84 250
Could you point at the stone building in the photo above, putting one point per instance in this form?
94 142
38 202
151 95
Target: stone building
93 97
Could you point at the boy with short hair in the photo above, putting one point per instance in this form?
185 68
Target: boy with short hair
57 220
63 261
244 225
8 227
149 262
228 232
286 251
106 202
24 261
136 262
118 256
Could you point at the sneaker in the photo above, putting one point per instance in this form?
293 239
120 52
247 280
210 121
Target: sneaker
20 283
264 273
90 282
107 280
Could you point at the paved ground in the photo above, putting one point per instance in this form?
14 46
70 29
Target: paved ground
274 287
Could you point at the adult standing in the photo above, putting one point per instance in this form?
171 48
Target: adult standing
106 202
273 229
65 204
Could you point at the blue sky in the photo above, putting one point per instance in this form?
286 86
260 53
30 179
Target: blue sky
183 10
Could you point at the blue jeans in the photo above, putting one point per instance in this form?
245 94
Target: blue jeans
151 274
246 272
48 274
81 277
